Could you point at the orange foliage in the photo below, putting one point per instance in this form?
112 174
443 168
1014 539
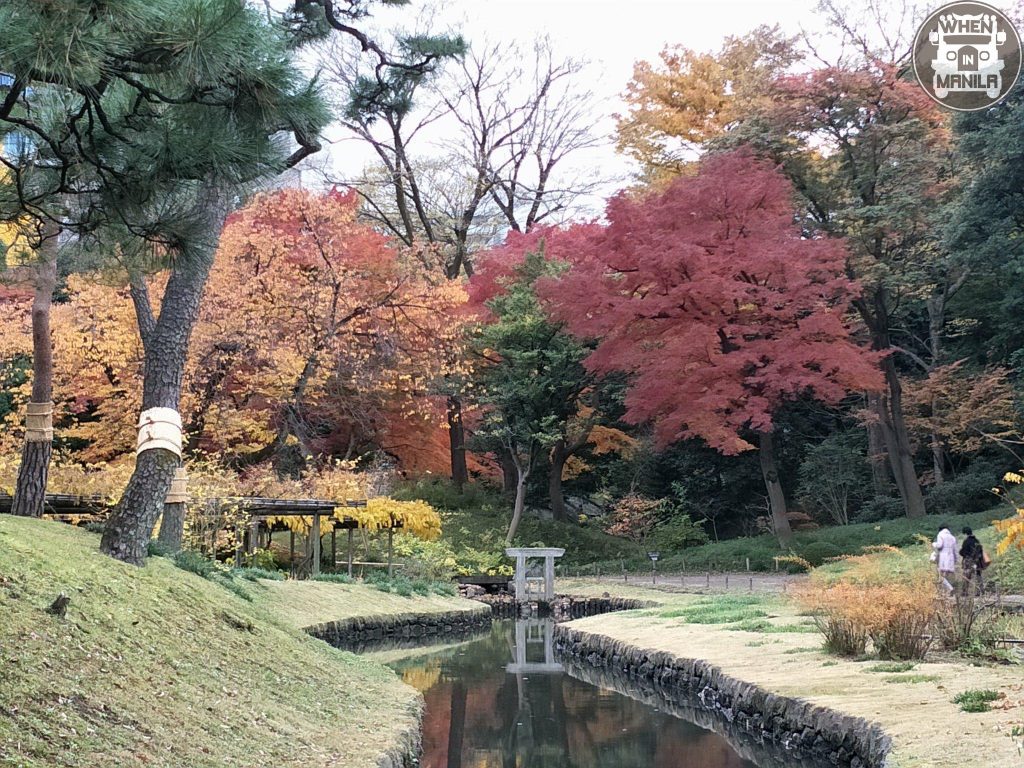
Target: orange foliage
688 98
314 331
966 411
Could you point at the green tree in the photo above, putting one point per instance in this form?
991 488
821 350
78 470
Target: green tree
986 220
529 379
833 477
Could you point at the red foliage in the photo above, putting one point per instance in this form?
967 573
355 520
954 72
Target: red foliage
870 94
715 302
496 266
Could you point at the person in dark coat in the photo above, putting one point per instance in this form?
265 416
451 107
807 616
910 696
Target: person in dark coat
972 556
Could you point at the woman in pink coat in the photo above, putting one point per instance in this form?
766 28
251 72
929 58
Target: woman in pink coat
945 555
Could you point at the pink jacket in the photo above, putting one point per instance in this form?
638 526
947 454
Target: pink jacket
945 545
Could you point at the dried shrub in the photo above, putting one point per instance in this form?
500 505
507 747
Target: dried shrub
966 624
843 637
885 600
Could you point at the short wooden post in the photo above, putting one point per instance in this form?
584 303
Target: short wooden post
253 542
549 577
315 533
748 565
727 581
709 579
391 546
239 546
751 584
334 547
291 547
350 532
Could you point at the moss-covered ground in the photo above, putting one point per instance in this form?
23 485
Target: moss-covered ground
157 666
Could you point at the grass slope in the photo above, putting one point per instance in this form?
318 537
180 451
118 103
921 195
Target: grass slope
159 667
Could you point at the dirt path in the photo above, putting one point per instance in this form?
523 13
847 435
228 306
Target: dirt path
734 582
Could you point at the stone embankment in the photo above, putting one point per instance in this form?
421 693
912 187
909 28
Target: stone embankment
353 632
803 731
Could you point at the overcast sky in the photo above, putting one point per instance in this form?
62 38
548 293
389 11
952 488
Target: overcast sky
612 36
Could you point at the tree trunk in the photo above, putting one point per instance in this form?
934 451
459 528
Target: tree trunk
877 456
890 407
936 320
556 496
172 526
901 457
457 442
938 458
508 474
130 527
30 487
517 510
776 497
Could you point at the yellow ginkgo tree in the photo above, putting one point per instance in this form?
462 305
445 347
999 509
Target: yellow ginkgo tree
1012 528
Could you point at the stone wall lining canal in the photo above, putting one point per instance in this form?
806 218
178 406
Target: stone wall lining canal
762 729
803 730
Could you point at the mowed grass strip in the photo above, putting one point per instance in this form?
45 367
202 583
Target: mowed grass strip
157 666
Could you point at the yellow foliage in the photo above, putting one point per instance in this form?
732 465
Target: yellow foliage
1012 528
423 678
688 98
795 560
15 249
104 479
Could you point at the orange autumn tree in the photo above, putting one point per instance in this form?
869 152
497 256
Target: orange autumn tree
687 98
341 331
316 337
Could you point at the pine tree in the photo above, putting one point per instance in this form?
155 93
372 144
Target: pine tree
154 117
151 117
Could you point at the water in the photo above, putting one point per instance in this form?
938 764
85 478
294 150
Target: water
503 701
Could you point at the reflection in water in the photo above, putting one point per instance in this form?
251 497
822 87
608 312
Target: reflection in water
504 702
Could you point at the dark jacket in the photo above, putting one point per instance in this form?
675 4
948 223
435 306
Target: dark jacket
971 551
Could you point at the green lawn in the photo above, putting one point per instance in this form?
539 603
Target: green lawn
157 666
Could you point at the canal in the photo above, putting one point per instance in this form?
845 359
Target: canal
503 700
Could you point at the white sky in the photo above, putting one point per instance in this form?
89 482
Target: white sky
612 36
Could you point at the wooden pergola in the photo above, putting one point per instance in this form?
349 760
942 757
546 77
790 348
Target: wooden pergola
259 510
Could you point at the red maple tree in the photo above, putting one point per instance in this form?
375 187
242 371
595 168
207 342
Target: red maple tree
719 306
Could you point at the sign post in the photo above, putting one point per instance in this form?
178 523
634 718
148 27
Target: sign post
654 566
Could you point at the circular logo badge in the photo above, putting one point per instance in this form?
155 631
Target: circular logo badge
967 56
